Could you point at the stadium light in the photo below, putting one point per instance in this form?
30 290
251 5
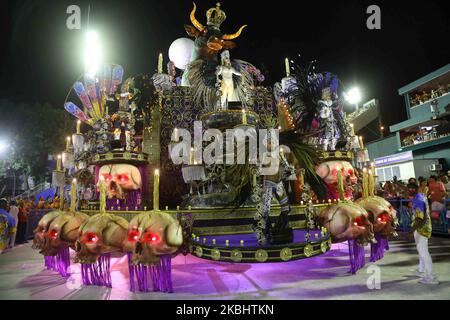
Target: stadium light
92 53
353 96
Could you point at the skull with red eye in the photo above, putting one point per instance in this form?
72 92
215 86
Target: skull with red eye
328 171
345 221
100 234
381 214
133 236
57 230
120 179
52 234
42 228
152 235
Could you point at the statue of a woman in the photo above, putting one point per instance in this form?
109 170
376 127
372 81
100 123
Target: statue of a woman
226 71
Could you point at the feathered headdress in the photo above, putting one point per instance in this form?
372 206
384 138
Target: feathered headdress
303 98
93 93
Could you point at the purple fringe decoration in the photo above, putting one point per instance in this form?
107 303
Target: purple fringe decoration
357 256
159 274
59 263
377 249
50 262
99 273
132 202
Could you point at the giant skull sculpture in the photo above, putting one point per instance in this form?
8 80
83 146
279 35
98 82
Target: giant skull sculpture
381 214
120 179
57 230
345 221
100 234
328 171
152 235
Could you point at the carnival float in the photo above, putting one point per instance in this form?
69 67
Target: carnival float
141 189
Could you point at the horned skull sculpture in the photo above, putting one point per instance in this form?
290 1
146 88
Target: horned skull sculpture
381 214
100 234
120 179
57 230
151 235
345 221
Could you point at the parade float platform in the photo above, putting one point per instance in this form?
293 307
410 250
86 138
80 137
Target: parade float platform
23 277
218 233
220 221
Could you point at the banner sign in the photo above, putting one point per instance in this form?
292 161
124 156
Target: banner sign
395 158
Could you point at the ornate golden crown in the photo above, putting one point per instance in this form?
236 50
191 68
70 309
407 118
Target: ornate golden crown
215 16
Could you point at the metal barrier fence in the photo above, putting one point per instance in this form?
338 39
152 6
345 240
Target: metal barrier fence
405 214
33 220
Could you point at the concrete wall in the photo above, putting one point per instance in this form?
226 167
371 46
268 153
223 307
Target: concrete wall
383 147
439 152
423 111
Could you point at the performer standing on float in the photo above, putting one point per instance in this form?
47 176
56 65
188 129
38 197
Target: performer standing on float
273 186
226 71
421 227
330 135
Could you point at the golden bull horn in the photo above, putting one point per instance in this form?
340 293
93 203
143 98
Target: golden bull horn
234 35
194 21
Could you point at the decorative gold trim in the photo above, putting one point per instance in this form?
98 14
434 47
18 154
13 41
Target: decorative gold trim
269 259
215 254
198 251
324 246
261 255
286 254
236 255
207 114
308 250
127 155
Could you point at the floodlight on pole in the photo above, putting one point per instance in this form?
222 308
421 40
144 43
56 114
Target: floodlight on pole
353 96
3 146
92 53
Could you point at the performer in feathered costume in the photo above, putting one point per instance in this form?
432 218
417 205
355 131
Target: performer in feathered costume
316 106
200 74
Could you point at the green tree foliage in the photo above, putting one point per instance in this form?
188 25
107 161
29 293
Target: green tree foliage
33 131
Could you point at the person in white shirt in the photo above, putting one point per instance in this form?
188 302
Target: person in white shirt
445 180
14 212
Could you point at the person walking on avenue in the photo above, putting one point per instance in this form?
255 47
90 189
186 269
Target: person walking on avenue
14 212
7 226
421 227
22 225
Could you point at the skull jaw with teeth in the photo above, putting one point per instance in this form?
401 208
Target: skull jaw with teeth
100 234
56 231
382 215
152 235
346 221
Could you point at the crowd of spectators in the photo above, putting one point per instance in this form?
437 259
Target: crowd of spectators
435 188
15 213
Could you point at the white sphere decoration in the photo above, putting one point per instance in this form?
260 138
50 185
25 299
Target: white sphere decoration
180 52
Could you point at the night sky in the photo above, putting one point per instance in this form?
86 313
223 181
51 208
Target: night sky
41 58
